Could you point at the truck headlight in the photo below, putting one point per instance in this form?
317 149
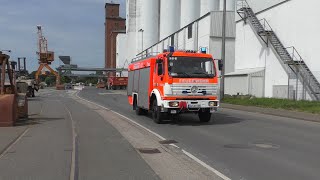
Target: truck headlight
174 104
213 103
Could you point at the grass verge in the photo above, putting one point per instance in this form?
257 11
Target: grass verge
302 106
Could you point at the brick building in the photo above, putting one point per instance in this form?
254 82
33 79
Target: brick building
114 25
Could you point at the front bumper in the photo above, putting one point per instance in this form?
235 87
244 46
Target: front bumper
189 106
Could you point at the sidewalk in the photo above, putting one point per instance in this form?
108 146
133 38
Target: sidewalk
275 112
43 147
8 135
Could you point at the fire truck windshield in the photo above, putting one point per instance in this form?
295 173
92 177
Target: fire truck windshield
191 67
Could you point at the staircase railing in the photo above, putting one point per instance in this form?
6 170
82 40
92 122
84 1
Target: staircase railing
292 62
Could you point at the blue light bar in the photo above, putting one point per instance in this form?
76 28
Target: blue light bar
203 50
171 49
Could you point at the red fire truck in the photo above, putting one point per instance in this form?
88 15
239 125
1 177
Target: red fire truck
174 82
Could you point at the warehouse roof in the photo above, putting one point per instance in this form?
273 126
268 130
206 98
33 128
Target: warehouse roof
245 71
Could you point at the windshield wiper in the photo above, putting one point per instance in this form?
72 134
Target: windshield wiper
184 73
202 73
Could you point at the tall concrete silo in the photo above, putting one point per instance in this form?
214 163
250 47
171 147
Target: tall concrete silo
149 22
209 5
169 17
190 11
131 29
138 27
231 5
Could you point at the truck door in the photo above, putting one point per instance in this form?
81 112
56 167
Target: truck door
158 77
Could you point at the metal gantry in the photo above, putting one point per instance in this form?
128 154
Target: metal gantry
45 57
291 60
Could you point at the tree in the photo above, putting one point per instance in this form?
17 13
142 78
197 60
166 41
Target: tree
50 80
65 79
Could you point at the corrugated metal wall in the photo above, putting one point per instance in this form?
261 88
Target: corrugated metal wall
216 24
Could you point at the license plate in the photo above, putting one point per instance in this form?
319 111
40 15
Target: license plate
173 111
194 106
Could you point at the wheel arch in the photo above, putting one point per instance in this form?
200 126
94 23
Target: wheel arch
155 94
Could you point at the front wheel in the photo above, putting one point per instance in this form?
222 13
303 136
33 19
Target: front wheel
204 116
157 115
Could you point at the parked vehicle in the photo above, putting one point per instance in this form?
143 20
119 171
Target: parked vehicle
117 83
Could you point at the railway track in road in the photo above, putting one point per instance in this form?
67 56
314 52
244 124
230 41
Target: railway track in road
239 144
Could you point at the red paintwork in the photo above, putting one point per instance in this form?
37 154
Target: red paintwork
118 81
157 82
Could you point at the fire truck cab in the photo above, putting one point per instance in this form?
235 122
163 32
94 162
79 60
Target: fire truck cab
174 82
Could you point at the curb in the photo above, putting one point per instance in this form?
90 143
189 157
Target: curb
276 112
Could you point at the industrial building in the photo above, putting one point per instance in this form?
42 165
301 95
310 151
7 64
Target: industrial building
114 25
271 45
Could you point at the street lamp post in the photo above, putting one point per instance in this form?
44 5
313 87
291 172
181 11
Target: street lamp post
141 30
223 50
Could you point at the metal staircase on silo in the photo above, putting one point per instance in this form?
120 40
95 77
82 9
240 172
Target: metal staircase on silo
291 60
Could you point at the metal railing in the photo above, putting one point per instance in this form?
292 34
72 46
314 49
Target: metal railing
291 60
143 56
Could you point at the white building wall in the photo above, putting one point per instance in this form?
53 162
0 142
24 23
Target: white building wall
293 29
190 11
209 5
204 32
169 17
121 55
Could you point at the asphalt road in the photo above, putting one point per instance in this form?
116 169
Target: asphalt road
67 140
239 144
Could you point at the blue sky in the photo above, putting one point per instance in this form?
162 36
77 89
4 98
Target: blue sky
72 27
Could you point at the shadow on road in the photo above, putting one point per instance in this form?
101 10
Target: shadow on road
193 120
35 121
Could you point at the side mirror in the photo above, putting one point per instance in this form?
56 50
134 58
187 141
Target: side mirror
220 64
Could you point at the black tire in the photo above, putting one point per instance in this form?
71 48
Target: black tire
157 115
139 111
204 116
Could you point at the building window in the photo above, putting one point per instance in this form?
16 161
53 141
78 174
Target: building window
190 31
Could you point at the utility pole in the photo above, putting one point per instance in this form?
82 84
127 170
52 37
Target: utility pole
223 50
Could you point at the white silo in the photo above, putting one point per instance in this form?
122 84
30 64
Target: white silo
149 22
231 5
209 5
190 11
131 29
169 17
138 39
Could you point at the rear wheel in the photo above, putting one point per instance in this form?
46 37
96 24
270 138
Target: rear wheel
157 115
139 111
204 116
